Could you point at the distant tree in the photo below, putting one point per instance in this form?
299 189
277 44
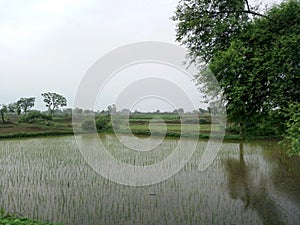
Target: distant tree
78 110
54 101
112 109
68 111
201 111
25 104
109 109
125 111
14 108
88 111
3 110
180 111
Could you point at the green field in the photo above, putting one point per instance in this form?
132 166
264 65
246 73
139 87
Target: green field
139 124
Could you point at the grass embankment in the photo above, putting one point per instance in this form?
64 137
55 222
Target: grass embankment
56 127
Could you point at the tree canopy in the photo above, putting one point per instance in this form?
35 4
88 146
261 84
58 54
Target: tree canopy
208 26
54 101
254 57
25 104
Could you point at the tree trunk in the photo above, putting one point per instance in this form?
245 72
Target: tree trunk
242 131
2 116
241 146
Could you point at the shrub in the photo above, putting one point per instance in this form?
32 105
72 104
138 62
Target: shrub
88 125
203 121
235 129
291 138
103 123
34 116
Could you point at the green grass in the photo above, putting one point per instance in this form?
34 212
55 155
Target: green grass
14 220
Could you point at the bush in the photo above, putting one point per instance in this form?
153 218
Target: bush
234 129
202 121
88 125
34 116
103 123
14 219
291 138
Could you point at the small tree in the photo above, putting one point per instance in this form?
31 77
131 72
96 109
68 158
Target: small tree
25 104
3 110
54 101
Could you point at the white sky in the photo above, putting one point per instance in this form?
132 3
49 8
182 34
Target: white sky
48 45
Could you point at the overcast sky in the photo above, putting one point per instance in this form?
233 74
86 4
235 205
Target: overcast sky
48 45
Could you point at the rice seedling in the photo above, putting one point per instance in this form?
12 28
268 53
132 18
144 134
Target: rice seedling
48 179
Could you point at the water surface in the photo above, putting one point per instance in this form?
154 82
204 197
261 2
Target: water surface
248 183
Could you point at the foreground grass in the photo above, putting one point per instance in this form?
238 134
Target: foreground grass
13 220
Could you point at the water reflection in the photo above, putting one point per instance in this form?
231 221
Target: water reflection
253 193
285 175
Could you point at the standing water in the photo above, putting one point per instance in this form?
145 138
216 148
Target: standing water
248 183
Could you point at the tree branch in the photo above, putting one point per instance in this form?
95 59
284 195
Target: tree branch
238 11
248 6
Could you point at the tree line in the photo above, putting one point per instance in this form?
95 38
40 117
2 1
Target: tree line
52 101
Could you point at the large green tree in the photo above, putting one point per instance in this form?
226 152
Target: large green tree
54 101
259 72
254 57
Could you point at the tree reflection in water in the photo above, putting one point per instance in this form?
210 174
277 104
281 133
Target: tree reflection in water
253 193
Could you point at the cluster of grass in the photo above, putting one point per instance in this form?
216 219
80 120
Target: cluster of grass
22 221
16 220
